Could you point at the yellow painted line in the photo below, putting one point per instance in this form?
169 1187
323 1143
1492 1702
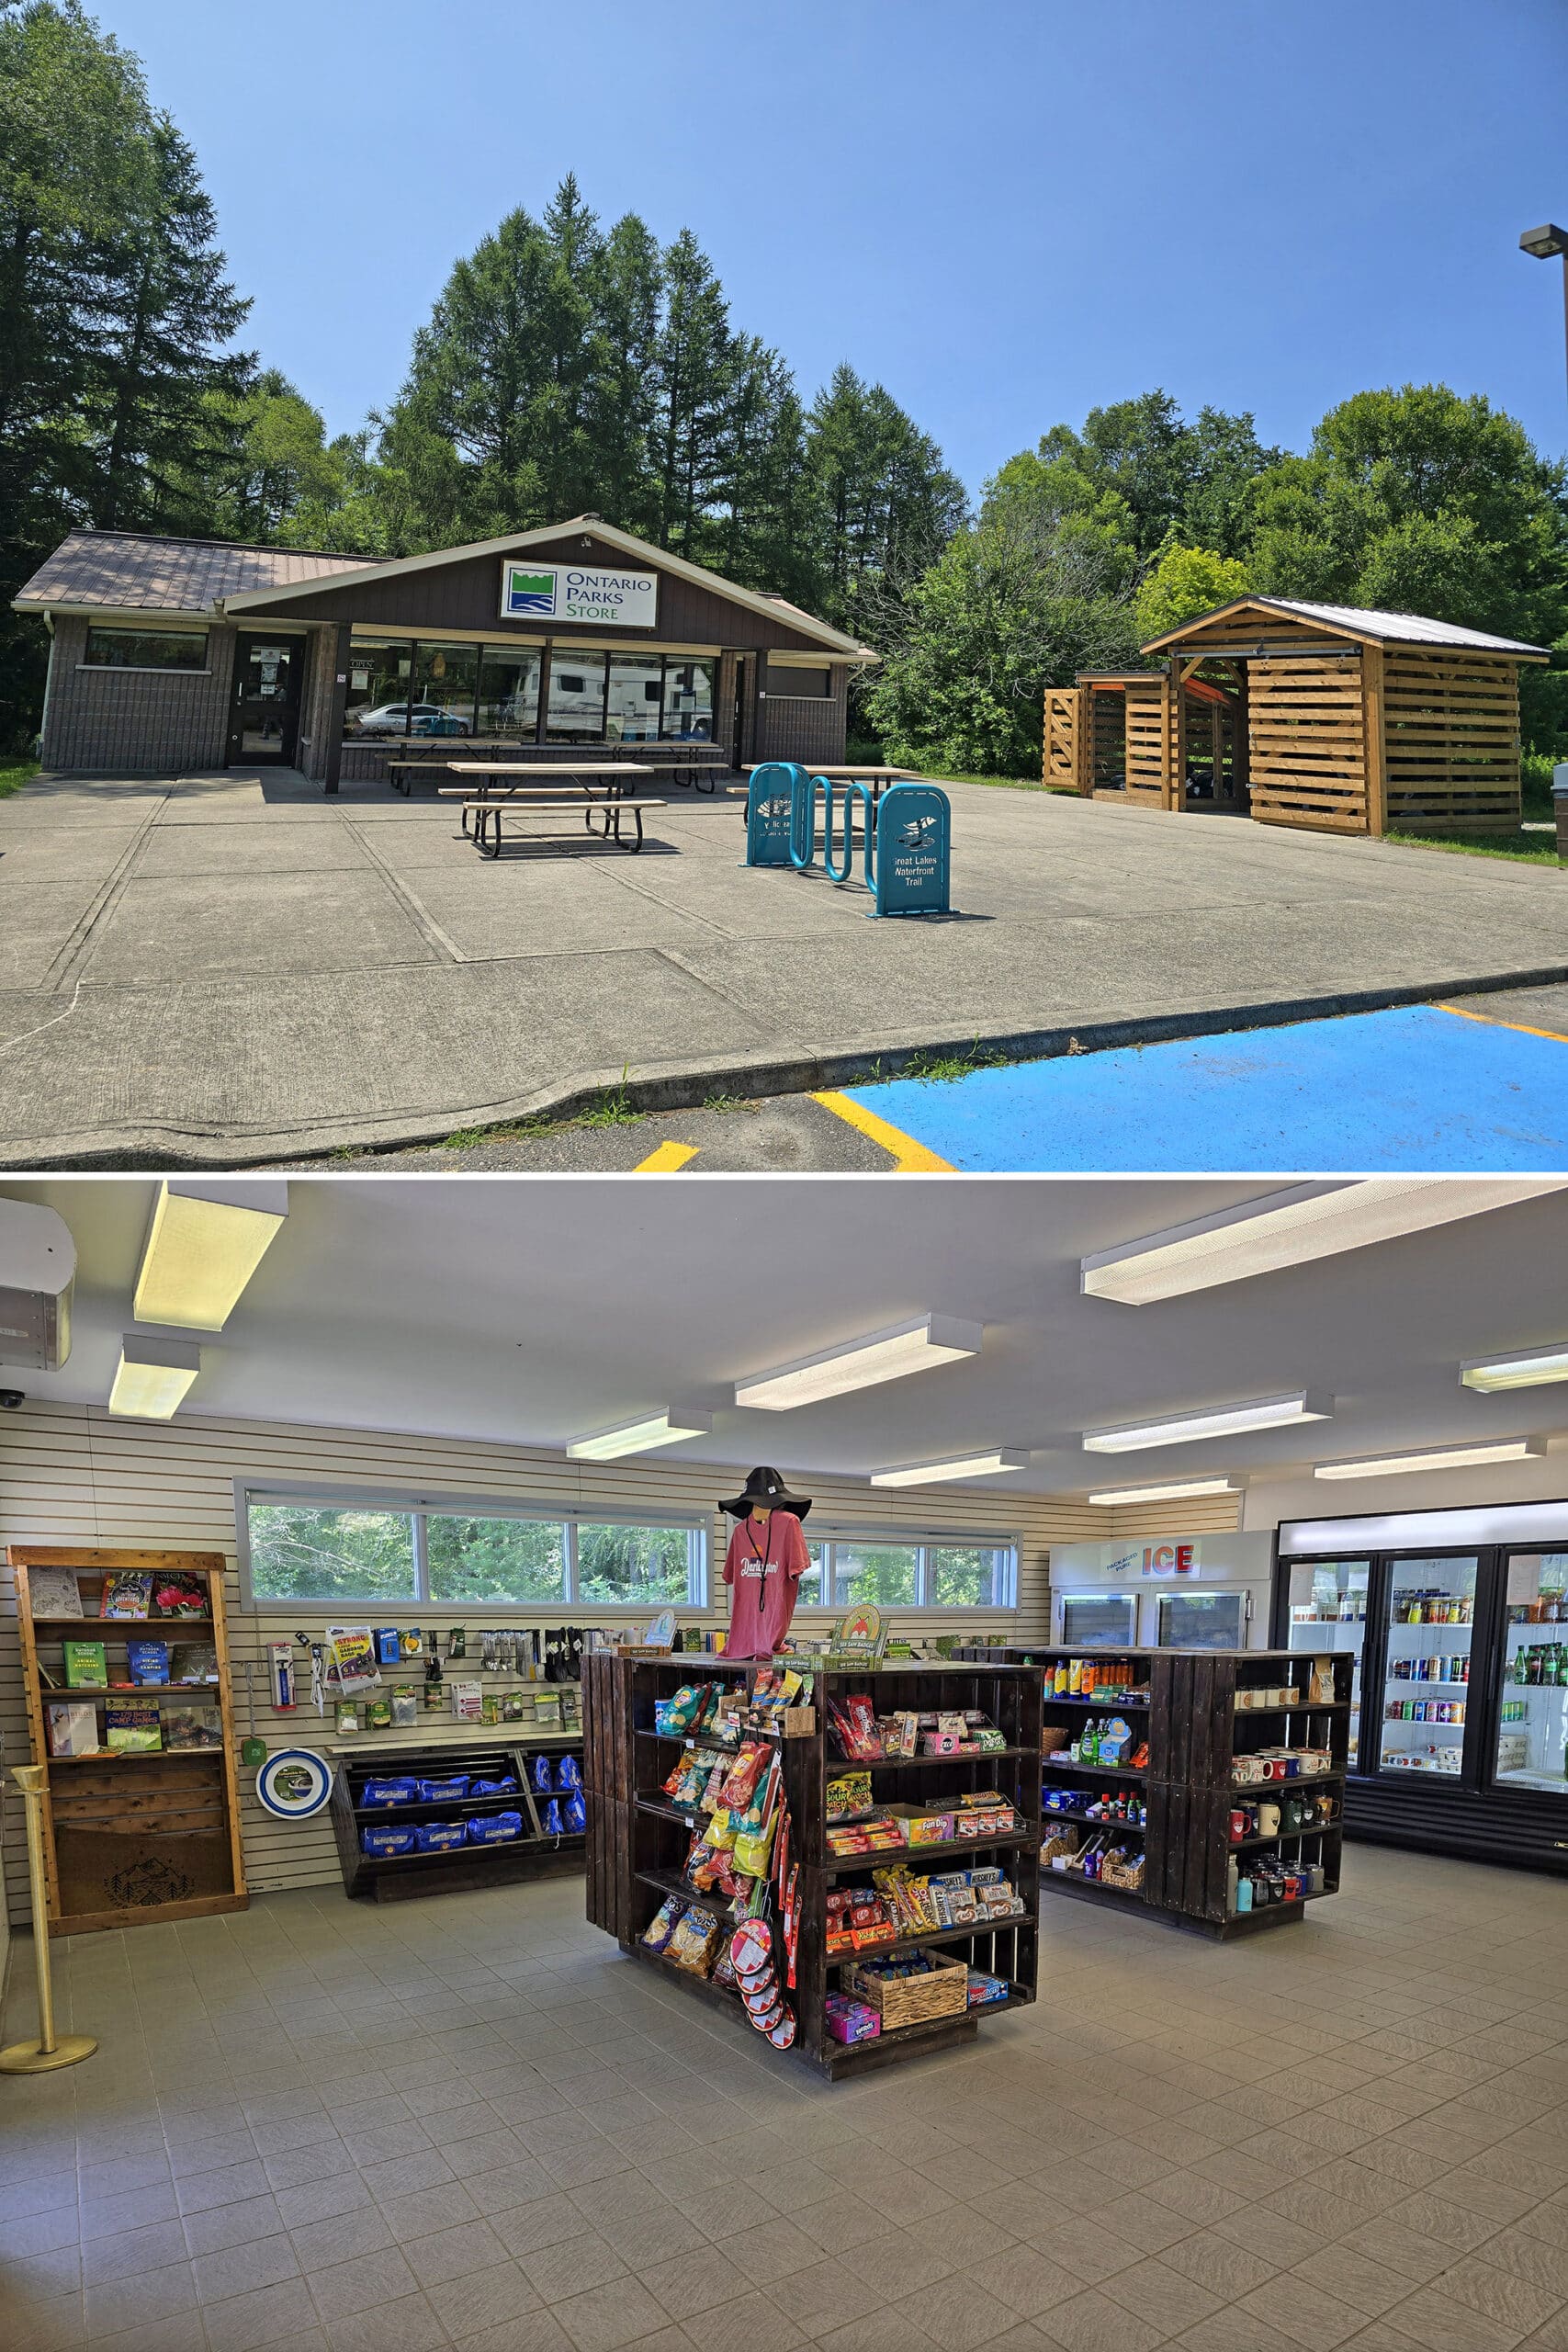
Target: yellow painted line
1489 1020
666 1159
910 1158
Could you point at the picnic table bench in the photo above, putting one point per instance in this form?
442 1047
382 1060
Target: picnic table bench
684 762
524 785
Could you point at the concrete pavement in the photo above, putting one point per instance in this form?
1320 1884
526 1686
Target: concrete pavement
231 970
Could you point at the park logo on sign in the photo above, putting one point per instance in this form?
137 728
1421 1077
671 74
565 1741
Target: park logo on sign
566 592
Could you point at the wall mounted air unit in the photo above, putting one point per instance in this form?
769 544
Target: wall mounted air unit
38 1270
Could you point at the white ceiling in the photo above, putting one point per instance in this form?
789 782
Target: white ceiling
536 1311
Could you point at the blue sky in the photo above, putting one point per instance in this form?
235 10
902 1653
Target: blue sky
1008 210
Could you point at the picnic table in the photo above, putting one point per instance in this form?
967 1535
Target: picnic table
522 785
687 762
877 778
695 756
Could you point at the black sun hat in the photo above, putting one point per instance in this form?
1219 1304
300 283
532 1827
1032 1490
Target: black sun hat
766 1488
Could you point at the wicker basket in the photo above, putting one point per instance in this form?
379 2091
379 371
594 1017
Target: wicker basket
913 2000
1057 1844
1128 1876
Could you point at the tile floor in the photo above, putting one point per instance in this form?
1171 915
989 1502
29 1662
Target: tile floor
322 2128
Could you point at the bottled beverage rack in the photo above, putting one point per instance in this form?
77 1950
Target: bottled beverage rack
638 1842
1241 1783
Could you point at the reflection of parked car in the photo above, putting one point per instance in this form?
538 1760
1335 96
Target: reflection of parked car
421 718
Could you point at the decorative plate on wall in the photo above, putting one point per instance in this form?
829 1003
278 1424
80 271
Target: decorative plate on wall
293 1784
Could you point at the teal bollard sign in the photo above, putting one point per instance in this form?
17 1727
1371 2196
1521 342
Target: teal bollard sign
914 830
771 801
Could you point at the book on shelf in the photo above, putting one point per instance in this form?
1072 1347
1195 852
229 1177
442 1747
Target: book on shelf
132 1729
193 1662
177 1596
187 1727
71 1727
127 1593
86 1665
148 1661
54 1592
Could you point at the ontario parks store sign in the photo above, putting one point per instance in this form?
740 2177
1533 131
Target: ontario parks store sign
560 592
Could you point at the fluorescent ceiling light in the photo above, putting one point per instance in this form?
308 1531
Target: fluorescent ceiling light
965 1466
204 1242
1176 1491
882 1355
641 1437
1448 1457
1291 1228
1531 1369
152 1377
1223 1421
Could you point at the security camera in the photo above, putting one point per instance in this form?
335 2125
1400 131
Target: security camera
13 1400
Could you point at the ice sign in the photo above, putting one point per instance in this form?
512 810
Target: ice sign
914 826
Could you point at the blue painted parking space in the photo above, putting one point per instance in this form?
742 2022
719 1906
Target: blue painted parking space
1415 1088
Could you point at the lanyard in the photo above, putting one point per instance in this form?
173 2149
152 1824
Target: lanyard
765 1554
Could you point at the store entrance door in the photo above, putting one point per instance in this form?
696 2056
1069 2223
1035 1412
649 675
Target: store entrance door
264 709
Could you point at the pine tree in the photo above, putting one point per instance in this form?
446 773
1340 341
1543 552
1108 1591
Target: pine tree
160 315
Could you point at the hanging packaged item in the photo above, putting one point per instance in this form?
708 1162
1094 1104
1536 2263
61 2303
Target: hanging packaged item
405 1707
553 1825
683 1709
281 1664
574 1813
389 1645
351 1656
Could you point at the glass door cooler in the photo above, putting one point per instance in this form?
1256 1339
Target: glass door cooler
1459 1730
1201 1621
1096 1621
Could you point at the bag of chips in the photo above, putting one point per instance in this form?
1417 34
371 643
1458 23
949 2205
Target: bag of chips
695 1939
661 1927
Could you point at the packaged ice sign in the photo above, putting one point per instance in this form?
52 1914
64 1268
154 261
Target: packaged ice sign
560 592
914 826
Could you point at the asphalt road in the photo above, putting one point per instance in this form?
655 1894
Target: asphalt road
873 1130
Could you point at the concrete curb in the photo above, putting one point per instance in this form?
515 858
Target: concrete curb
165 1148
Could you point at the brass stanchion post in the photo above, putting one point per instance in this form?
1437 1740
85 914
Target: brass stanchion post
42 2056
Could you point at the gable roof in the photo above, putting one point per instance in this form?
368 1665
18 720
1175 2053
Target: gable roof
144 571
1367 627
755 600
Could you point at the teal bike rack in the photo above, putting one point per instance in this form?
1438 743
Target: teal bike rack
906 837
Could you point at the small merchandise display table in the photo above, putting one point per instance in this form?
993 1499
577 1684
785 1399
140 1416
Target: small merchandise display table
910 1878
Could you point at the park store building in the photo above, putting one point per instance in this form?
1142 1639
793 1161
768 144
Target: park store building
169 656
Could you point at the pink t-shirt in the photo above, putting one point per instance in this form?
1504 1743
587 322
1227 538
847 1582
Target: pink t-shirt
763 1572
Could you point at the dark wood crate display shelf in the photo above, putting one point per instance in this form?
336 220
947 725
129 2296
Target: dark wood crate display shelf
389 1878
132 1837
637 1841
1195 1731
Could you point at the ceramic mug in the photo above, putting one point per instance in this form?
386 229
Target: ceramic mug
1267 1820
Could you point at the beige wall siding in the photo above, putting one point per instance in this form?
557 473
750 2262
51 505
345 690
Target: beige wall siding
70 1474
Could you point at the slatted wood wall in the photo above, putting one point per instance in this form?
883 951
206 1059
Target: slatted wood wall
1107 741
1148 768
1307 753
70 1474
1451 742
1064 762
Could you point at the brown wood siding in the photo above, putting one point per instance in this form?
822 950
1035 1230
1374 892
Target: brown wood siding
1308 742
1148 741
1451 741
803 726
136 722
466 595
1064 768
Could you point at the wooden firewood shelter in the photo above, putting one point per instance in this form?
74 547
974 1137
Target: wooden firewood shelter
1319 716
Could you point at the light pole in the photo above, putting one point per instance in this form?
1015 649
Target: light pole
1544 243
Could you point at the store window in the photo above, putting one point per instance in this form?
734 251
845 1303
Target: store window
804 685
634 1567
576 709
509 692
688 701
300 1549
446 684
520 1560
380 682
636 695
906 1576
145 648
300 1552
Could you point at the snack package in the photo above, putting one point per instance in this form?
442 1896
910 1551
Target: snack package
494 1828
399 1788
848 1796
661 1927
683 1709
449 1790
438 1837
741 1781
382 1842
694 1941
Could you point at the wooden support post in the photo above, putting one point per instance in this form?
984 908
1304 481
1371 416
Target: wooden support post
338 706
1372 738
1176 736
